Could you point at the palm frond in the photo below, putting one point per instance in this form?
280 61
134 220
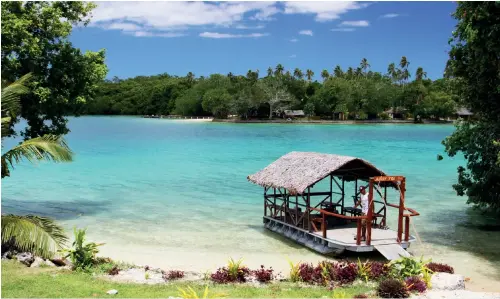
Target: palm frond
12 93
48 147
39 235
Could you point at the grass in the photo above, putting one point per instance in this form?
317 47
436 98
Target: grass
19 281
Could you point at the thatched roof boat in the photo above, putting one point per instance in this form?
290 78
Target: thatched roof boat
296 171
328 221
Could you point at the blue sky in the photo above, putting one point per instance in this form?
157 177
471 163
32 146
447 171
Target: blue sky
149 38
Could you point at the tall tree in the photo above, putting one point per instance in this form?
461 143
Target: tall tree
338 71
474 60
364 65
279 70
35 38
297 73
269 71
275 95
309 74
325 75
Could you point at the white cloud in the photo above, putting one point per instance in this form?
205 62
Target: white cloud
343 29
323 11
157 34
265 13
250 27
294 40
123 26
361 23
306 32
390 15
229 35
175 16
292 56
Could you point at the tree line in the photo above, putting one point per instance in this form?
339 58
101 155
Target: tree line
356 92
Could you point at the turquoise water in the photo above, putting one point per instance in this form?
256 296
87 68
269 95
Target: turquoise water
158 187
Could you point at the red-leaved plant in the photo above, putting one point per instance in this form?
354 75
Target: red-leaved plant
415 284
263 275
437 267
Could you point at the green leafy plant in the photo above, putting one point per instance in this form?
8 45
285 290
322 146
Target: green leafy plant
83 256
294 271
233 267
146 276
190 293
340 294
364 270
408 266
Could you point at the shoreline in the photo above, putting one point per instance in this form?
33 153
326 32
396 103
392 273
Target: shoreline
330 122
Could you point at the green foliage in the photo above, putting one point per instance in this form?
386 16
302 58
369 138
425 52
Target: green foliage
294 271
360 91
234 268
39 235
405 267
35 38
364 270
474 66
83 256
191 293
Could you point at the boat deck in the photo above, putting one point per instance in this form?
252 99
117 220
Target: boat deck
347 235
340 239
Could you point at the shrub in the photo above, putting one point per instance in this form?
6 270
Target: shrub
175 274
294 271
83 256
378 270
345 272
306 272
221 276
415 284
263 274
392 288
364 270
384 116
234 272
407 267
437 267
114 271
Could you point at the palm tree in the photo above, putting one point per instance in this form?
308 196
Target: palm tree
325 75
358 72
190 77
279 70
297 73
350 73
309 74
269 72
392 72
338 71
364 65
420 74
39 235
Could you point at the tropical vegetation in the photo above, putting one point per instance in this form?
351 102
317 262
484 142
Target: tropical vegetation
475 64
357 93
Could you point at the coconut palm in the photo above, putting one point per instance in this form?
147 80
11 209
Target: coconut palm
39 235
279 69
190 77
364 65
309 75
350 73
269 72
420 74
338 71
325 75
297 73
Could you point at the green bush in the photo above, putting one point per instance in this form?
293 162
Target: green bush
83 256
384 116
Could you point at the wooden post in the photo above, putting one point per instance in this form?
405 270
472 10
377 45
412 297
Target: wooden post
308 204
331 188
401 209
370 214
265 201
323 225
407 228
343 196
358 232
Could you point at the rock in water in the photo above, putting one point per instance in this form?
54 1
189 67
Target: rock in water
37 262
112 292
448 282
25 258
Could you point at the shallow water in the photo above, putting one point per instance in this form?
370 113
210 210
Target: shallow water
175 193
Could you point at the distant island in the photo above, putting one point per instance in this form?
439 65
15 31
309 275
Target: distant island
355 94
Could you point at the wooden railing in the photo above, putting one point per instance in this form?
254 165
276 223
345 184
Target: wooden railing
357 218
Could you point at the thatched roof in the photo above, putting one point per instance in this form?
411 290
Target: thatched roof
464 111
296 171
294 112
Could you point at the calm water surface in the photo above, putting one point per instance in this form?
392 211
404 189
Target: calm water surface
162 188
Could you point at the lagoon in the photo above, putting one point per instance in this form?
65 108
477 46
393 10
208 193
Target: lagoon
174 194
